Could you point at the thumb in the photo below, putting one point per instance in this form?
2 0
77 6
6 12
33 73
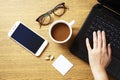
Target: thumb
88 45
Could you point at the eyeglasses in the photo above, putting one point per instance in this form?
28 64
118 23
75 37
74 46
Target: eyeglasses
46 19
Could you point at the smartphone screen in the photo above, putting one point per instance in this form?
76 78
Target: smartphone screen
27 38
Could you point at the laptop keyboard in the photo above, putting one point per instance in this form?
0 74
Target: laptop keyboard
112 31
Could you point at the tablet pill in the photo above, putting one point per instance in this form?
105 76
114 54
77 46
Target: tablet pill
51 58
47 58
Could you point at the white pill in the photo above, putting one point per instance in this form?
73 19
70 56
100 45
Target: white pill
47 58
51 58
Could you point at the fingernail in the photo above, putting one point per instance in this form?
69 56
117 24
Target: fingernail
109 45
98 30
103 31
94 31
87 38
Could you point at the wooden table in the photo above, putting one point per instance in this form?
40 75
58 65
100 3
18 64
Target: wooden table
16 63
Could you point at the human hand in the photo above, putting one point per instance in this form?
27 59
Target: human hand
99 56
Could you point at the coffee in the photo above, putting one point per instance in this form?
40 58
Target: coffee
60 31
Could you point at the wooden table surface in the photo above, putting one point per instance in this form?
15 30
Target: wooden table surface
16 63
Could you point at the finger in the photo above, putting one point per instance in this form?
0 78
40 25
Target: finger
88 44
103 39
95 43
109 50
99 39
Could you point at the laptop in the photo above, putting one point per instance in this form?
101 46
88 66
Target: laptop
103 16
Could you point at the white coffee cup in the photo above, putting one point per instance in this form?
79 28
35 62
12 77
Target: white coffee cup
58 23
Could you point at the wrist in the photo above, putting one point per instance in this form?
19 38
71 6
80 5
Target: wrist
99 73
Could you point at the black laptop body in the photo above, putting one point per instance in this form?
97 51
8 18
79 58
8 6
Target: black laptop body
104 16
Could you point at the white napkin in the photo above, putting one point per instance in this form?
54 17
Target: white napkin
62 65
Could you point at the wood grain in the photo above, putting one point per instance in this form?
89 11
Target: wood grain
18 64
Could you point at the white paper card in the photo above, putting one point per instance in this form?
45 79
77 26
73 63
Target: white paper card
62 64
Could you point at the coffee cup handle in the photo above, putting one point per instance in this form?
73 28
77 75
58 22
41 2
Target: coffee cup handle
72 22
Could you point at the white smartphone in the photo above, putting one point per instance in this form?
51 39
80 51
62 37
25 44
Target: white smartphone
27 38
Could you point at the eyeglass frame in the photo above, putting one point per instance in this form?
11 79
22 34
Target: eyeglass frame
61 5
